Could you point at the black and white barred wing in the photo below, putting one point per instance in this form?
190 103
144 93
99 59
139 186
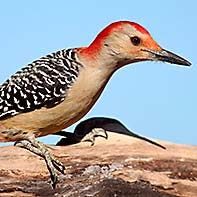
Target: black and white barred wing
43 83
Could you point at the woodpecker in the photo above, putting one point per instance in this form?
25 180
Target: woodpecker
57 90
91 128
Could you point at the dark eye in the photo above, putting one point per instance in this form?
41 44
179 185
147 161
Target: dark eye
135 40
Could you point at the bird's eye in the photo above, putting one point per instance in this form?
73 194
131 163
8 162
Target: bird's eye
135 40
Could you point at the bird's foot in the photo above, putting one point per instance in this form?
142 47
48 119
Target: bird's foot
96 132
39 149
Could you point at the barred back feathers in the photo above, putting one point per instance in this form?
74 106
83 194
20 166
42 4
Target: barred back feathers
43 83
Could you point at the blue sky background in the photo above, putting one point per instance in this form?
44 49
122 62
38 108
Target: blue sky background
153 99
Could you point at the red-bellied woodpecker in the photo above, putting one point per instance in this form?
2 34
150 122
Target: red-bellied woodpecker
91 128
57 90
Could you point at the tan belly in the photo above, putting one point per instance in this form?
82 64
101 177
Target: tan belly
79 99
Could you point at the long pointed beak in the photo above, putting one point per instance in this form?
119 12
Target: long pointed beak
167 56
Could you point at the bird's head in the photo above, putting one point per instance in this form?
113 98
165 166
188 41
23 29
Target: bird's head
127 42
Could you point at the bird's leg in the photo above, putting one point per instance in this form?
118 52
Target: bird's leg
96 132
99 132
39 149
27 145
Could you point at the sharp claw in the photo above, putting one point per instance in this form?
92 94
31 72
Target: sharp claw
93 142
53 174
52 164
90 137
54 181
105 134
89 140
99 135
59 166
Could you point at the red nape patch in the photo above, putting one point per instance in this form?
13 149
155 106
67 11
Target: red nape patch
95 45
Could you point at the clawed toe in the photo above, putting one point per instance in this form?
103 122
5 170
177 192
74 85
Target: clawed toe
58 165
40 150
96 132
